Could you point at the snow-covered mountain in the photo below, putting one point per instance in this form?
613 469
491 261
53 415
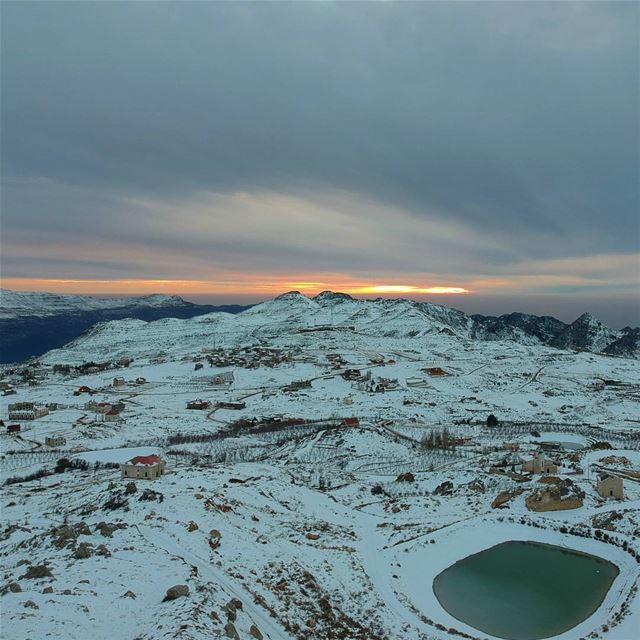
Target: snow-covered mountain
16 304
338 314
309 500
32 323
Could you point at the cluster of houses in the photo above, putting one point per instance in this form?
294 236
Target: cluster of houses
110 411
248 357
7 389
608 485
379 385
379 360
90 367
202 405
368 383
27 411
336 361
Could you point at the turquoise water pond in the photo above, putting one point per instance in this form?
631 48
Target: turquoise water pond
524 590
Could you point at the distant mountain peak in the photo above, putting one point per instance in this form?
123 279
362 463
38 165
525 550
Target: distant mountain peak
332 296
290 295
163 298
586 318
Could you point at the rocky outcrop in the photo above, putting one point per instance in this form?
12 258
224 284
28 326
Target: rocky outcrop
175 592
560 496
504 497
444 488
37 571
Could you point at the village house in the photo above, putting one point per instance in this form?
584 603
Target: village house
222 379
297 385
118 381
103 407
146 467
539 464
502 461
416 382
198 405
350 422
125 361
231 405
112 416
388 383
26 411
609 486
55 441
351 374
435 371
13 428
141 380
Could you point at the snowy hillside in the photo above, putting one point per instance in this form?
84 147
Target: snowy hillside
294 313
326 458
33 323
15 304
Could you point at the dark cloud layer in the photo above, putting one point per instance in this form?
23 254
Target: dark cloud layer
518 120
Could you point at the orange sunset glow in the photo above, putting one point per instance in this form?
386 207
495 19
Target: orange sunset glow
244 286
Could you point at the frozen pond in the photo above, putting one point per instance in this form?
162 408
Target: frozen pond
524 590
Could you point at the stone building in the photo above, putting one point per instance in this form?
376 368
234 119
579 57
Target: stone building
540 464
145 467
609 486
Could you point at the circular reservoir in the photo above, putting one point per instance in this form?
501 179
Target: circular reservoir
524 590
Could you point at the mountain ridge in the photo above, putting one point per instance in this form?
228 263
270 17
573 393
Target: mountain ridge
342 315
33 323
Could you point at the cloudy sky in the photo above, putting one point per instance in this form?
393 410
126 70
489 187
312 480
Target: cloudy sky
233 151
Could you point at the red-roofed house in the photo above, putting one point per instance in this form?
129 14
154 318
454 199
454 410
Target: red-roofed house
146 467
351 422
103 407
113 415
435 371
